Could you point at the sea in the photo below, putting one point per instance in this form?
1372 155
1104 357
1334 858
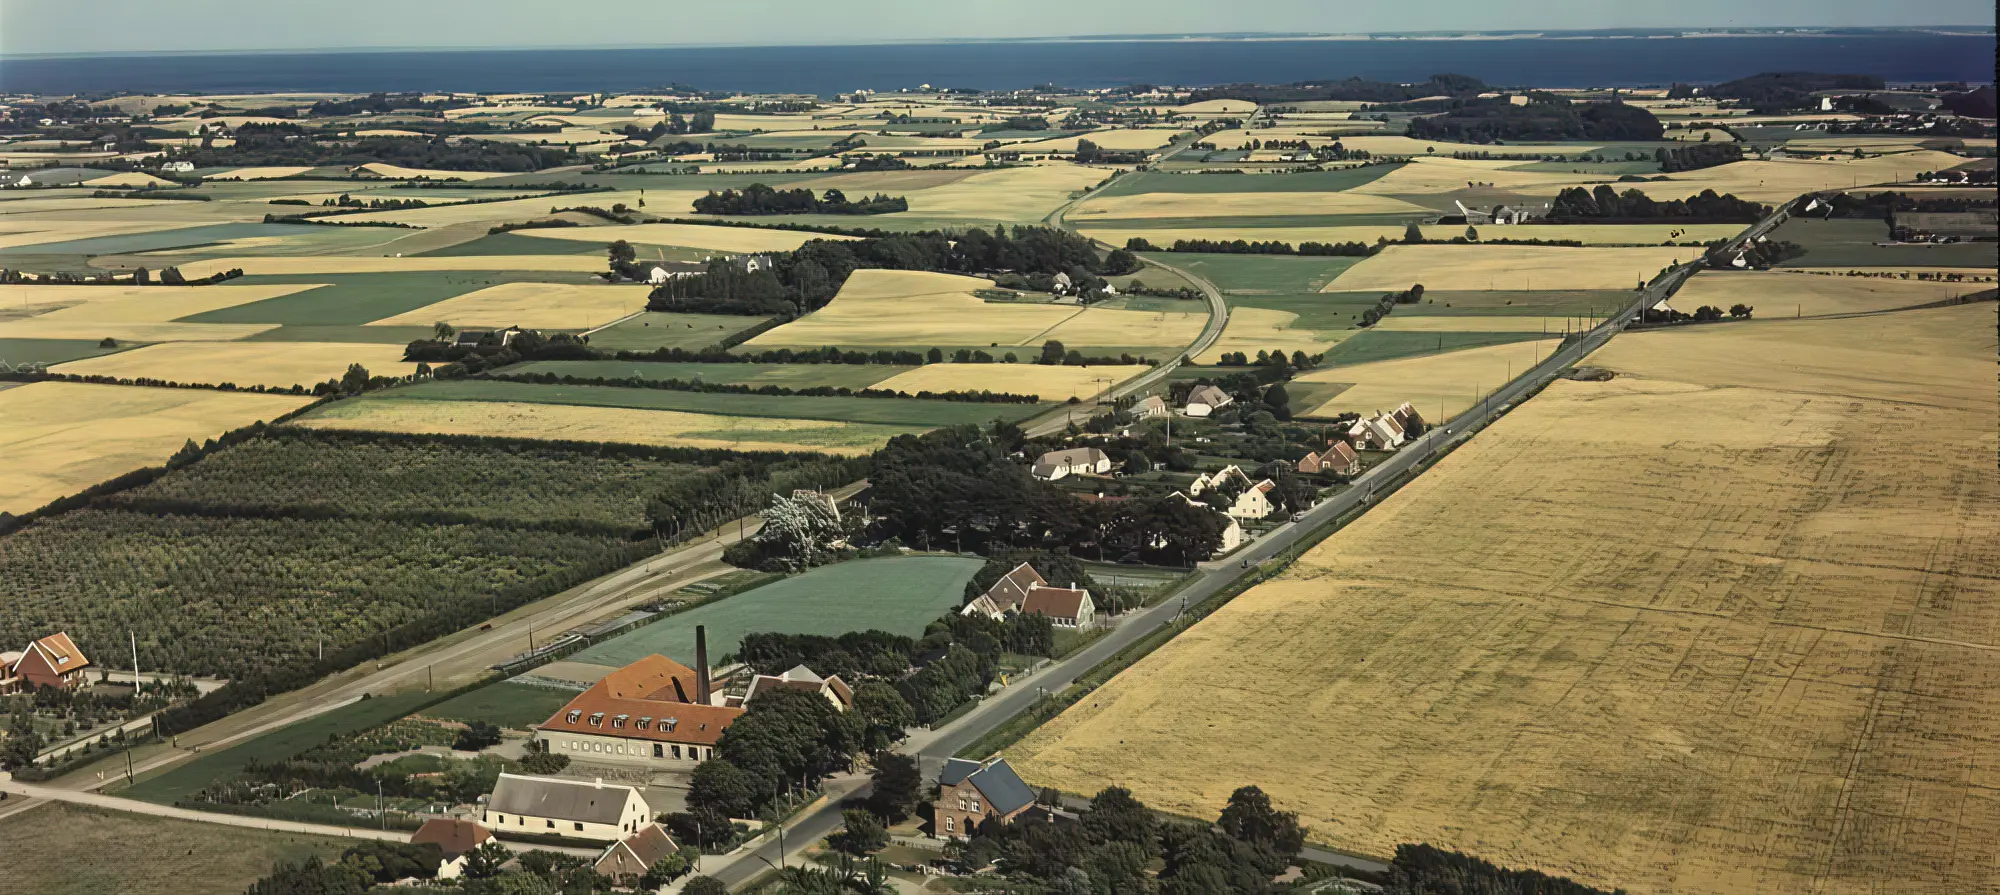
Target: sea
1898 57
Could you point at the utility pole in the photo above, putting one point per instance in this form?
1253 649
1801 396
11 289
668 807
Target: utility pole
128 764
135 663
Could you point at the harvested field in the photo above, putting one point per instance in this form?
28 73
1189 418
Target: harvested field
1195 205
129 178
259 173
666 329
919 309
576 306
273 364
1050 383
786 375
1788 294
1118 140
137 853
1589 234
1441 385
1429 174
568 422
1688 630
397 172
311 264
41 328
1008 195
1777 181
133 304
1476 268
1252 329
494 212
62 437
720 239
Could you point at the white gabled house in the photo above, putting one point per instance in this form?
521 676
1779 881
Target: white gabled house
1075 461
1206 399
1254 502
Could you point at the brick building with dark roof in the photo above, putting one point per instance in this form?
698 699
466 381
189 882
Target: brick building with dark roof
971 793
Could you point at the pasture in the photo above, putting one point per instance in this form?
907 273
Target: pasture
63 437
138 853
271 364
571 422
1696 628
1498 267
507 704
1848 242
576 306
898 594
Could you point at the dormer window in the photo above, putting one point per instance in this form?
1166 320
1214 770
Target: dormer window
597 719
646 722
668 724
619 721
573 715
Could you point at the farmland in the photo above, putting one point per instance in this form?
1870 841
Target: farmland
346 537
62 437
568 422
786 375
273 364
1336 232
896 594
1713 625
720 239
1051 383
529 306
1796 294
1440 384
1847 242
1493 267
890 411
152 854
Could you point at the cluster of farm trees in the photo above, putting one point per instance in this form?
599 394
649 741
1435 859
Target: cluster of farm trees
1604 204
808 278
1696 156
760 199
1545 117
290 144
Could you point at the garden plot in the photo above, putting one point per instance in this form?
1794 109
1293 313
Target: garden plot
62 437
1475 268
577 306
270 364
720 239
1440 385
917 309
1794 294
568 422
1665 635
1050 383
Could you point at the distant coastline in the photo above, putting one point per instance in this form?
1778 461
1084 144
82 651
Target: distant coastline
1624 58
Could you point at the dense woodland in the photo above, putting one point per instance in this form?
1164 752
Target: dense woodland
1695 156
1605 205
760 199
1545 117
1773 93
290 144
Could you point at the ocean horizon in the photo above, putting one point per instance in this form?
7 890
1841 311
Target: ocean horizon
1574 61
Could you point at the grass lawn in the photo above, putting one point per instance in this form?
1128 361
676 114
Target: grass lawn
787 375
61 849
1851 243
190 777
1377 345
664 329
53 351
1260 273
898 594
891 411
351 299
516 244
1302 182
519 706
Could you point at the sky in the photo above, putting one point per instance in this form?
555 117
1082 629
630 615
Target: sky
29 27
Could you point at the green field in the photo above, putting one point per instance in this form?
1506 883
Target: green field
62 849
898 594
191 777
1376 345
1301 182
888 411
516 706
1324 312
787 375
1846 242
668 329
52 351
1260 273
1510 304
350 299
379 335
516 244
1235 222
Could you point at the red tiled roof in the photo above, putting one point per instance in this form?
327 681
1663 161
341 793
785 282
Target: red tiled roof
62 653
452 836
1054 602
1013 587
644 692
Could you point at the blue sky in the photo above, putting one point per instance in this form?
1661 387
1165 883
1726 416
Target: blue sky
75 26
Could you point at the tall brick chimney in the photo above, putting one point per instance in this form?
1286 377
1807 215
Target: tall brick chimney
701 685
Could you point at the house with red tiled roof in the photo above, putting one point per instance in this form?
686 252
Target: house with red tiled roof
654 712
1065 607
1254 502
1006 594
453 836
628 859
1339 458
53 661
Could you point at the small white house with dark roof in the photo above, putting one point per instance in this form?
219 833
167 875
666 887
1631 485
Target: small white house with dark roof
1074 461
972 792
1206 399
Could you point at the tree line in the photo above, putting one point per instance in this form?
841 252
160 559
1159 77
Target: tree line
760 199
1604 204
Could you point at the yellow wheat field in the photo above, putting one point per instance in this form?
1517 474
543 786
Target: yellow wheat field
133 304
397 172
530 306
1777 181
62 437
568 422
1432 174
1216 107
1477 268
1221 205
128 178
1784 294
695 236
1050 383
917 309
1659 634
272 364
266 172
302 265
1251 330
1122 139
519 209
1588 234
1007 195
1440 385
1401 145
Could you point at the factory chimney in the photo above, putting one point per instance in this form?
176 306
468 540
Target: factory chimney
701 685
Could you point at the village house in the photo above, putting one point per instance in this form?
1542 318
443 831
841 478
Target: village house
1065 607
1206 399
1232 532
800 677
1407 419
652 713
553 806
1376 433
971 792
1227 476
1024 590
628 859
1254 502
1074 461
1149 407
1006 594
454 837
1339 458
53 661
